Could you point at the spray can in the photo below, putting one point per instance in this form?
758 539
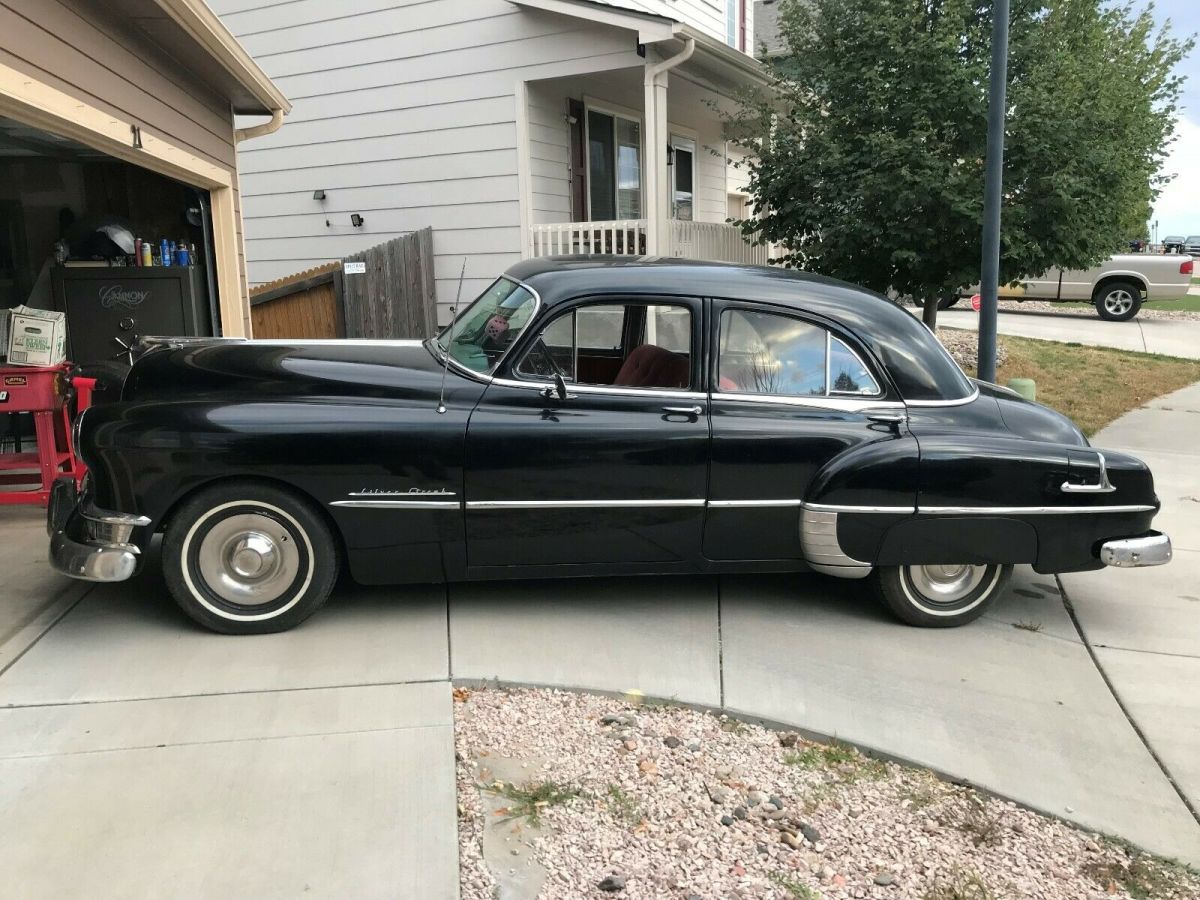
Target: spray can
147 254
181 254
137 251
165 252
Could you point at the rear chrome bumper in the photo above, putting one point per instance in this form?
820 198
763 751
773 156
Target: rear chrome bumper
107 554
1128 553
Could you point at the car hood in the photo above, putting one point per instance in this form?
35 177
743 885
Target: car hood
195 368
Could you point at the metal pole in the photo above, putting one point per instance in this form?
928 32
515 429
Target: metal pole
989 282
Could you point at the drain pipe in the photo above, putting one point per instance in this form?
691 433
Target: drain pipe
657 236
254 131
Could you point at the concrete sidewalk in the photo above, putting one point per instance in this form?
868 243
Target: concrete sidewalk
1170 337
1145 625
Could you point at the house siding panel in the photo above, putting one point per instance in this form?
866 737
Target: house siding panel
406 113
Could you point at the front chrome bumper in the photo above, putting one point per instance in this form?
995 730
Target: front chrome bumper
1128 553
107 553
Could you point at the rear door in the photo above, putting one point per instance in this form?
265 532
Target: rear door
788 396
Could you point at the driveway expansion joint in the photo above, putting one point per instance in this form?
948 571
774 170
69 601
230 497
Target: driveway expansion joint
1137 729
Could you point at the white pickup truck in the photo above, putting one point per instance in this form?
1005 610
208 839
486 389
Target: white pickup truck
1117 287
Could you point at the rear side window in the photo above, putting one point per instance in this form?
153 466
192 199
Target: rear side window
765 353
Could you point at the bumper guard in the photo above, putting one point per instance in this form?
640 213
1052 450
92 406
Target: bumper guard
108 553
1128 553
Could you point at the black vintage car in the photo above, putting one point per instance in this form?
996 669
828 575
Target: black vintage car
594 416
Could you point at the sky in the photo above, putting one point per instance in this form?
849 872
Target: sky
1178 208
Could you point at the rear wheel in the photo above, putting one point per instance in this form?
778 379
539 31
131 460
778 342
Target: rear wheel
947 302
1118 301
249 558
940 596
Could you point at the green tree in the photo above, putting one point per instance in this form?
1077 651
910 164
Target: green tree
867 156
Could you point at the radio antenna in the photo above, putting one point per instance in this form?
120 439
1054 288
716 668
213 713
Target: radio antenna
441 407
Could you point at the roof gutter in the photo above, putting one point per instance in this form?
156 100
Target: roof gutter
689 47
254 131
207 30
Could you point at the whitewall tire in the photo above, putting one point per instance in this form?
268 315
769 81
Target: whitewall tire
249 558
940 596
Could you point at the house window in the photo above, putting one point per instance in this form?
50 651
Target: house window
614 166
683 177
735 24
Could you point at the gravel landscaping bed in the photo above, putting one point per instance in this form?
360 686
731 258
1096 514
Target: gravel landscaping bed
963 345
1063 309
605 798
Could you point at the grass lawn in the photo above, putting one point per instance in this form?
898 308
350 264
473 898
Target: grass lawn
1093 385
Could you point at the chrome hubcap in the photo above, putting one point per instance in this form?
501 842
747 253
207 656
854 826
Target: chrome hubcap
946 583
1118 302
248 559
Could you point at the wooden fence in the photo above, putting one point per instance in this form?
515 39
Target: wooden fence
305 305
393 297
396 297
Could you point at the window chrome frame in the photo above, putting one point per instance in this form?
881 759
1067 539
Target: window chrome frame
839 400
616 390
447 357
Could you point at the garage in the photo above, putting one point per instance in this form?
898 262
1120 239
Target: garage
119 201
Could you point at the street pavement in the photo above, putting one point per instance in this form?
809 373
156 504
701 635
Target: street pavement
1170 337
142 756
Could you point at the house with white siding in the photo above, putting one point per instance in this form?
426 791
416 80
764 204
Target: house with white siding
512 127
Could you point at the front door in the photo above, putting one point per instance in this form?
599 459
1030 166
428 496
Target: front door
616 471
788 396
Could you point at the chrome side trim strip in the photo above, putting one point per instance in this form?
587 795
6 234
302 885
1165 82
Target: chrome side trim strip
609 390
891 510
842 404
578 504
1027 510
726 504
933 404
398 504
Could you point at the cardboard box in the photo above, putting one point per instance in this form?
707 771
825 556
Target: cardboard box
37 337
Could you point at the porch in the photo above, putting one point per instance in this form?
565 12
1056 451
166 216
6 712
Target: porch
633 161
714 241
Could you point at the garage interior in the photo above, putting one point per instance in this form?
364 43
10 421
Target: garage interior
71 220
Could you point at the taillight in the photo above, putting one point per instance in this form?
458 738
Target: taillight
1185 268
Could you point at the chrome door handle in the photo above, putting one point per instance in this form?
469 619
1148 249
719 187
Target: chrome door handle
886 417
683 410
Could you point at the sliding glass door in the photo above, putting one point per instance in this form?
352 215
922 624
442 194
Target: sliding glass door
614 166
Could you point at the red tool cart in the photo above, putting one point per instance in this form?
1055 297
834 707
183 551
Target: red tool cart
41 392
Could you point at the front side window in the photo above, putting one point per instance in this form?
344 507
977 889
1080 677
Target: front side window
633 345
481 334
764 353
614 166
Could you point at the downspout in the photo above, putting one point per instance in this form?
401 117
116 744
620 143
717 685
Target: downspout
656 140
259 130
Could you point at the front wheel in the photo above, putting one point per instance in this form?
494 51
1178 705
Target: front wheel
249 558
1118 301
940 596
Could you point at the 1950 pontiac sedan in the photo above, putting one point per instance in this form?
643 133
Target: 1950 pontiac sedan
594 416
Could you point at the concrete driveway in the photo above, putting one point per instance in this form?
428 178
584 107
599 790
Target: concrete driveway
140 754
1170 337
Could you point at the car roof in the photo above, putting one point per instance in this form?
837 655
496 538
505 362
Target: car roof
919 365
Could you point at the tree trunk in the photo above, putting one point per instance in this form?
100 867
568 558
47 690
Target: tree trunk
929 312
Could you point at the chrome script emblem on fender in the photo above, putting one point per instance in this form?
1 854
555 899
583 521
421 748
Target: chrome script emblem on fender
411 492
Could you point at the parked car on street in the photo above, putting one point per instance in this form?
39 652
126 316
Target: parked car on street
594 416
1173 243
1117 287
1191 244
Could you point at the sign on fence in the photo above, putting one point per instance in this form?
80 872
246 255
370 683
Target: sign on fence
394 297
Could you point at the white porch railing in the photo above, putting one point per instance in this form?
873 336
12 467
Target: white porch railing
713 241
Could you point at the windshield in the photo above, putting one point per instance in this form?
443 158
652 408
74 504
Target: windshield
484 331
